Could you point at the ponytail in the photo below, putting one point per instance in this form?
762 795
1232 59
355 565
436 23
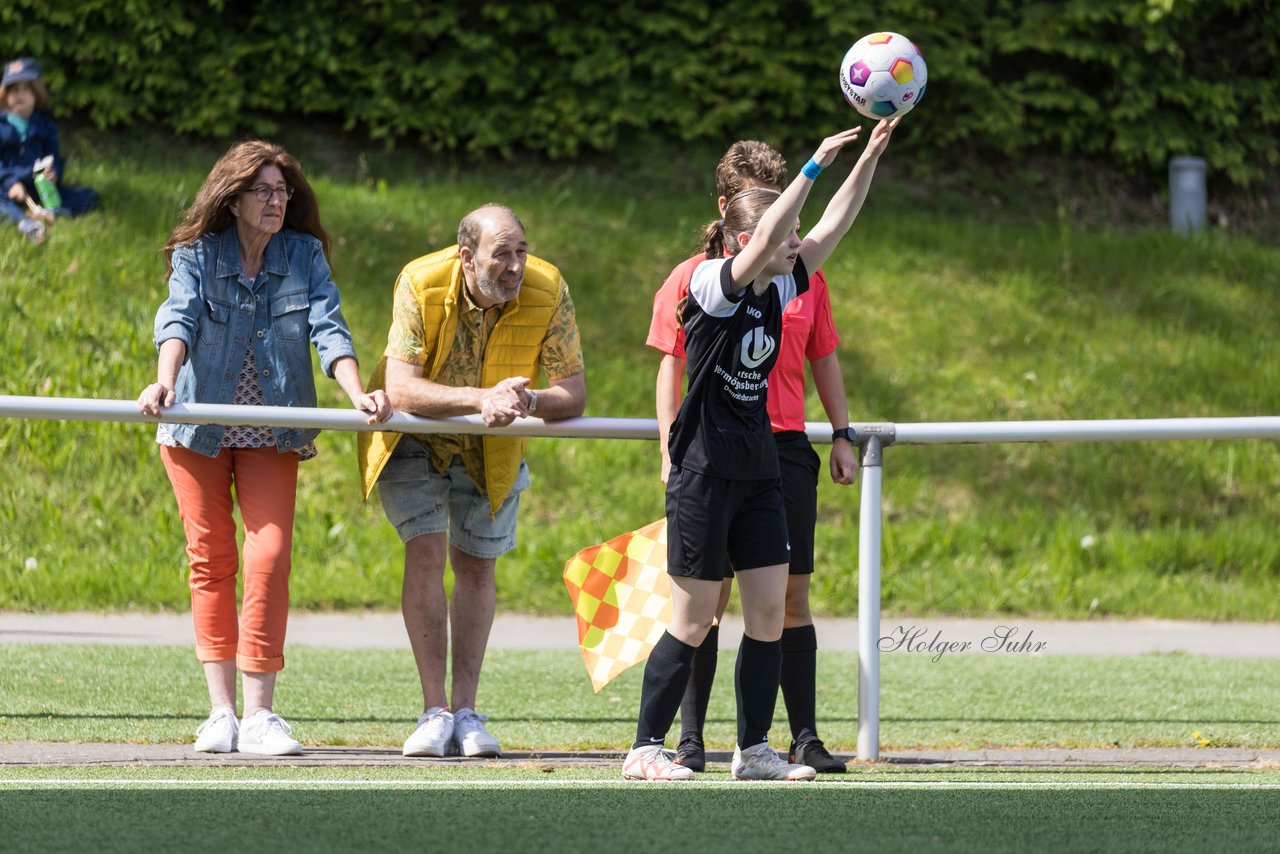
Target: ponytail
741 215
713 240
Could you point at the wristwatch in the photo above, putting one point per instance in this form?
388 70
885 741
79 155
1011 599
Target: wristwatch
533 401
847 433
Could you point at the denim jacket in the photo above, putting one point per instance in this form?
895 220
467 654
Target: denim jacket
18 155
219 314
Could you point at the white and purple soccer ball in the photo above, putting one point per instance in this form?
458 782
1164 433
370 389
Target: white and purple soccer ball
883 75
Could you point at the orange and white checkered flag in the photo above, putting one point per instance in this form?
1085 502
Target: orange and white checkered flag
622 598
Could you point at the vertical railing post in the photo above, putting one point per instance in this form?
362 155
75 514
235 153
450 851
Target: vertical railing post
869 601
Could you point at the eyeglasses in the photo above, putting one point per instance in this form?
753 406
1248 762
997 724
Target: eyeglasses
266 194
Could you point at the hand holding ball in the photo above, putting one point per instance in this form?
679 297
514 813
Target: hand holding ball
883 75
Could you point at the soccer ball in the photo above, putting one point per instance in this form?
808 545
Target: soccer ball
883 75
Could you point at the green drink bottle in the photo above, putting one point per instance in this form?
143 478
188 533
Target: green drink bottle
50 198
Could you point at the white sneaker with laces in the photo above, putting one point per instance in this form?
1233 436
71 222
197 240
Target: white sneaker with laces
267 734
470 736
761 762
218 733
654 762
434 735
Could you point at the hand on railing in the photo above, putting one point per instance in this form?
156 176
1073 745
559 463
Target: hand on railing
156 397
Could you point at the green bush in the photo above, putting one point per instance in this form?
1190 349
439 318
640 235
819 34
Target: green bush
1133 82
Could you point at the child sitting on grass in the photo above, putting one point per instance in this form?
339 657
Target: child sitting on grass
28 134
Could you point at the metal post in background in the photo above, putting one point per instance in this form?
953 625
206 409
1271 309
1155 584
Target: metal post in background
1188 198
869 601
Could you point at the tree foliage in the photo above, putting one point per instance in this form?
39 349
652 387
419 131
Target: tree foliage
1132 82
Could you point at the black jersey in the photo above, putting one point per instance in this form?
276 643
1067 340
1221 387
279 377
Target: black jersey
731 345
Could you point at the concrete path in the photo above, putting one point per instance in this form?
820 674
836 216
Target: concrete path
35 753
922 636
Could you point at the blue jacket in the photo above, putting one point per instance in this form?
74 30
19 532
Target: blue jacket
17 156
218 315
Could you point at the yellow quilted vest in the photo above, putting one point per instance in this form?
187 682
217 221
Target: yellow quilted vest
513 350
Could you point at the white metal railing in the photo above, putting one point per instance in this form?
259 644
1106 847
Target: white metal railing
873 438
984 432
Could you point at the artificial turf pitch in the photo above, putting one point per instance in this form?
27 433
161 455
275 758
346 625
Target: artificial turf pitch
541 699
590 809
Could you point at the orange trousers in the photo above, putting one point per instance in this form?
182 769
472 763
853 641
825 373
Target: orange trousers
265 483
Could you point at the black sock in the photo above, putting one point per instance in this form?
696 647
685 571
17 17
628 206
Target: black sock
756 684
697 694
666 674
799 680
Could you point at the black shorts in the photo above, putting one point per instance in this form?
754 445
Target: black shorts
713 523
800 467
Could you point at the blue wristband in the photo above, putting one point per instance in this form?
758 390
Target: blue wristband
811 170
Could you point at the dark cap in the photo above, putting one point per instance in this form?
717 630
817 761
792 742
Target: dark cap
19 70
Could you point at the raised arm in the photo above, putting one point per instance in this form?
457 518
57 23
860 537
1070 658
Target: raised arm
843 208
779 220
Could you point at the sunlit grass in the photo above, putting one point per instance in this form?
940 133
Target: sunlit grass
542 700
944 317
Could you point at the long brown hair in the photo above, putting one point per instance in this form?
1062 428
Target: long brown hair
720 237
233 174
741 214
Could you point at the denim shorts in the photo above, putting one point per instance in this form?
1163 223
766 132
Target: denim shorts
420 500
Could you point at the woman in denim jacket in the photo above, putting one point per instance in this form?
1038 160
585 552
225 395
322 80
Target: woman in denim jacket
249 293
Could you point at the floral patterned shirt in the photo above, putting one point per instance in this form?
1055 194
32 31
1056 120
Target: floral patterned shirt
560 359
248 393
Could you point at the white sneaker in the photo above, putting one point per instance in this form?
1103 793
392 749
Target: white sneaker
218 733
434 735
760 762
653 762
266 733
470 736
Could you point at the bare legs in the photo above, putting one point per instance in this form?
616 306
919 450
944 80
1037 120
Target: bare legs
259 688
431 619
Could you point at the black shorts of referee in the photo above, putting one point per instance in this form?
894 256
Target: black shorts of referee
800 465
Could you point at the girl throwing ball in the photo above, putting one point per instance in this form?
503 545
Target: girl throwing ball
724 498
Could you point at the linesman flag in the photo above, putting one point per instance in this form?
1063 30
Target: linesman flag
622 598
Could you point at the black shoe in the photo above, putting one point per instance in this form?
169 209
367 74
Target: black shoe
815 754
691 754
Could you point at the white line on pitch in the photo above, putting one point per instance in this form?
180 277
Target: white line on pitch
713 784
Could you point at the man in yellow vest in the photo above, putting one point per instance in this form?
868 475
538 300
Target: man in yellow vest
473 326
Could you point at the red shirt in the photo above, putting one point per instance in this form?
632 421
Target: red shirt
808 332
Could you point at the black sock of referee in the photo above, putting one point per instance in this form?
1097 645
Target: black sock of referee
756 684
666 674
799 680
697 695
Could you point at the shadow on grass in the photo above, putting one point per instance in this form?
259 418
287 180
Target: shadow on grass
626 719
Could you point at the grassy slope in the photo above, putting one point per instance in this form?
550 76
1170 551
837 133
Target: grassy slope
948 312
